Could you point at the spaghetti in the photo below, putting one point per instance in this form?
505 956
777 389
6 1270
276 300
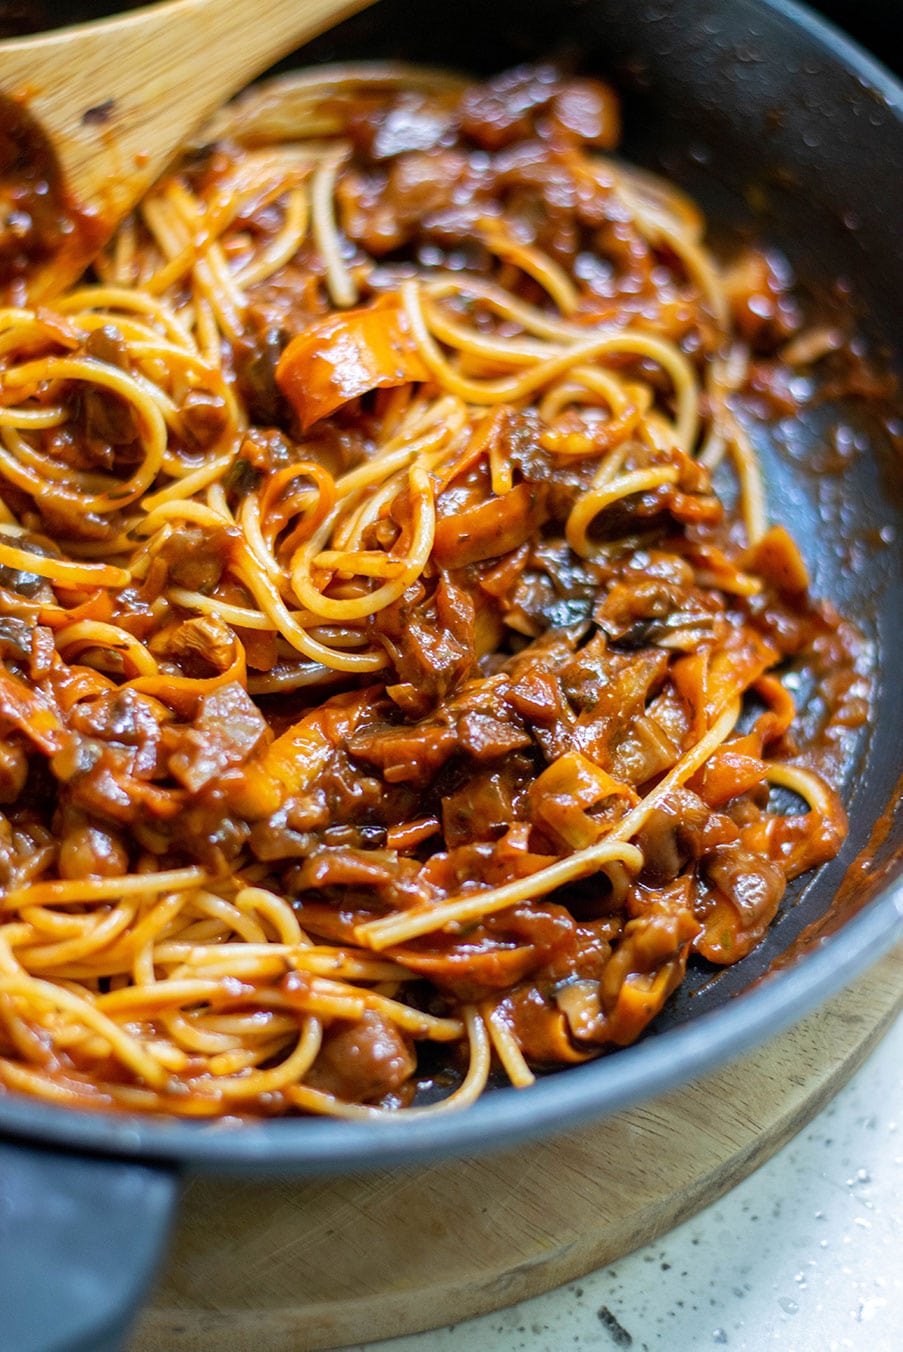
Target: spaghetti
387 698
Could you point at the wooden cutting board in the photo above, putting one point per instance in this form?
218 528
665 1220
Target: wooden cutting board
288 1265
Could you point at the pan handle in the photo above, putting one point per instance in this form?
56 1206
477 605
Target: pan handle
80 1238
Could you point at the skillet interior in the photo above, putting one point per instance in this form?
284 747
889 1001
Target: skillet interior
725 98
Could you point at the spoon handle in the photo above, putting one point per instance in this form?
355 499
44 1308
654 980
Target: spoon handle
117 97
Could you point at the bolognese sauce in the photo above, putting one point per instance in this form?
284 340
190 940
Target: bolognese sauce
388 698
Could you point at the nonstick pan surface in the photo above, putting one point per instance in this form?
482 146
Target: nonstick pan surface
784 131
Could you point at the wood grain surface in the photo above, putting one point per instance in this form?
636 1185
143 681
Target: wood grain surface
291 1265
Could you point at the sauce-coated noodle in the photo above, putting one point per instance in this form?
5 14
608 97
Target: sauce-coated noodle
387 698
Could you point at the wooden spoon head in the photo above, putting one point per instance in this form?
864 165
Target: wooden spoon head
118 97
44 233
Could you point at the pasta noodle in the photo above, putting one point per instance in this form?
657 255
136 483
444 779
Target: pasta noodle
388 700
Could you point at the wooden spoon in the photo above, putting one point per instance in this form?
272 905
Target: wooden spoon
116 98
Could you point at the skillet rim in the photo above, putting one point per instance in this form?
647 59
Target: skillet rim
556 1103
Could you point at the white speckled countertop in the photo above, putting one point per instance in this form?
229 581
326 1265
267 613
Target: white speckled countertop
806 1255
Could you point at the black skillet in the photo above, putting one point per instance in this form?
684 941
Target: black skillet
726 96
